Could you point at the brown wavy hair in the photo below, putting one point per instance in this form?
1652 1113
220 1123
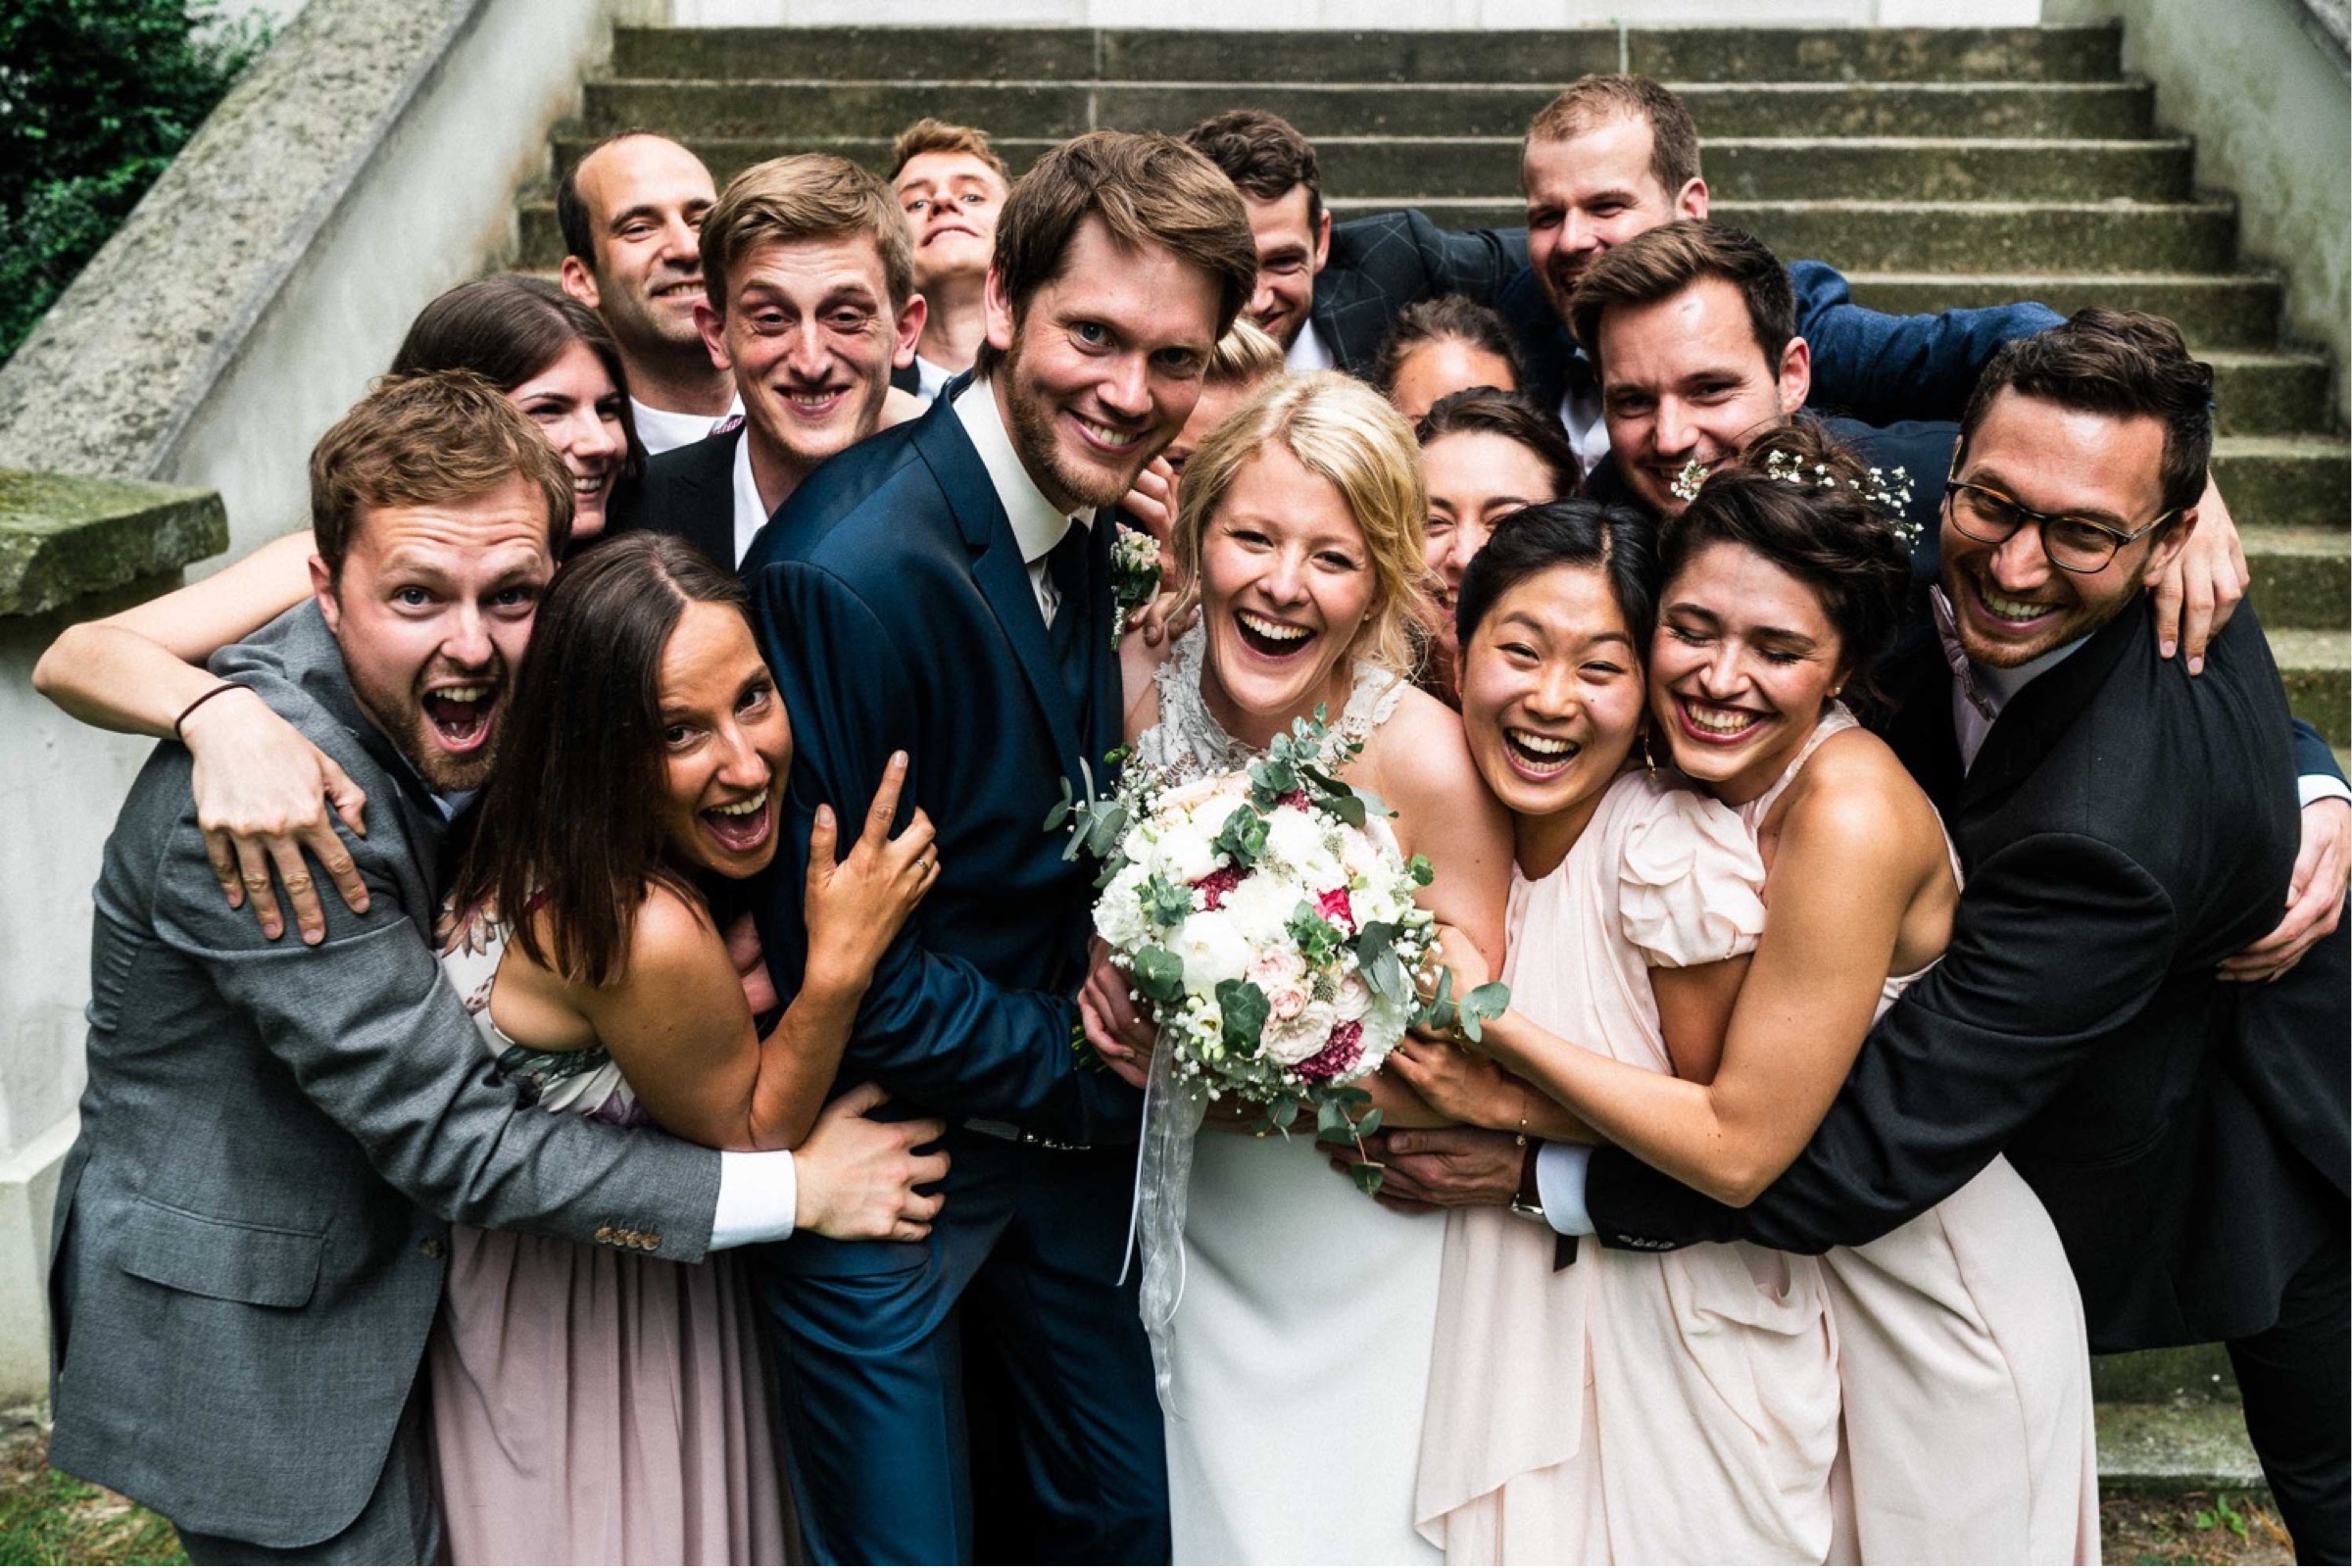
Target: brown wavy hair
574 835
1831 537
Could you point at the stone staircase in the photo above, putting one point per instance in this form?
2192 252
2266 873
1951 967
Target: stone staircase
1935 167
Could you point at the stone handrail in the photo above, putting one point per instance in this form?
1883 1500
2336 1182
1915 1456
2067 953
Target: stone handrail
368 161
66 536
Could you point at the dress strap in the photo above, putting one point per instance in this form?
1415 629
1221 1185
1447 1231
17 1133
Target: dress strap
1835 719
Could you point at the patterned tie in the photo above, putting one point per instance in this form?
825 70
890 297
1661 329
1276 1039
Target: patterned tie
1964 673
1065 564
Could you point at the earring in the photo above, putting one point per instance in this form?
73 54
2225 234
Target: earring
1650 764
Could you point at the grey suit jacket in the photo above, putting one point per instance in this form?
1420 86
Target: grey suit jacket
252 1229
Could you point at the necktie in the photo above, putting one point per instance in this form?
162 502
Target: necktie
1964 673
1065 564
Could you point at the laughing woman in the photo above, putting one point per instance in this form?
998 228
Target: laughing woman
591 1403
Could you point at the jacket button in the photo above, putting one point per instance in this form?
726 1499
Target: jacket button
651 1241
604 1235
432 1247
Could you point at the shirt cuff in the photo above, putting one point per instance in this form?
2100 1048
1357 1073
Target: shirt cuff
2314 788
757 1197
1560 1184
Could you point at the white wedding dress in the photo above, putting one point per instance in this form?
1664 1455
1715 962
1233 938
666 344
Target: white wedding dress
1300 1349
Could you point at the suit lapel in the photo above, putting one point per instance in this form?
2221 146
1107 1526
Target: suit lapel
2035 718
998 569
1920 730
710 520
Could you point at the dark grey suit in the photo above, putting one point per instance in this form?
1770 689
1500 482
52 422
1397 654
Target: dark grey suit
252 1228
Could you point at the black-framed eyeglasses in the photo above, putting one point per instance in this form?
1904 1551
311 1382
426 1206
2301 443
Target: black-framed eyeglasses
2072 543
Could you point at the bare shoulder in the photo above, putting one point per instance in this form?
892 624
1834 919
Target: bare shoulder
1419 758
672 934
1421 743
1856 801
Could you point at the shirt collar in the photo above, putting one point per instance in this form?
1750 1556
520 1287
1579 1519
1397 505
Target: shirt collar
2003 685
1037 523
1308 351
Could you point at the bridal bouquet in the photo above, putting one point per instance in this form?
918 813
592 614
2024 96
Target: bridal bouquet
1275 935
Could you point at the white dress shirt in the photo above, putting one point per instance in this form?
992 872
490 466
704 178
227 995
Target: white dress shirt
1588 431
659 430
758 1192
1037 523
1308 350
930 378
751 514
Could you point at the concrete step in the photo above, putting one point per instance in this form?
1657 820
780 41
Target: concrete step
2285 480
2268 394
1549 58
2317 667
1750 169
805 106
2188 1373
2302 577
1923 236
2226 310
2170 1448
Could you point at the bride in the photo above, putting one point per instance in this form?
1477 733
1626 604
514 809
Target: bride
1299 1351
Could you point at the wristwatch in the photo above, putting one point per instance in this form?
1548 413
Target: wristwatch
1528 1202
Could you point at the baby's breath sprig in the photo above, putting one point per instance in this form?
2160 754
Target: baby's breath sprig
1888 490
1693 477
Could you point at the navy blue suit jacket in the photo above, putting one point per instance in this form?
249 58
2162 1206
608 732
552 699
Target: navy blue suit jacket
891 600
1866 364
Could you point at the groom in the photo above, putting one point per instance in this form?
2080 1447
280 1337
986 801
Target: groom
944 588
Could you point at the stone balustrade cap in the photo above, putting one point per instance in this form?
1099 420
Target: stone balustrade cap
63 536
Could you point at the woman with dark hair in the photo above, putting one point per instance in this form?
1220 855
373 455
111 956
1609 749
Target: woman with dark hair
592 1403
1444 346
555 361
1484 455
1959 1340
137 670
1639 1406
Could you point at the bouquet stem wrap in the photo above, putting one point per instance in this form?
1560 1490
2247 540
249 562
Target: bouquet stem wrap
1163 1180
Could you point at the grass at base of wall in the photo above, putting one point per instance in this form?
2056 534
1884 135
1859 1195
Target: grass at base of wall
47 1517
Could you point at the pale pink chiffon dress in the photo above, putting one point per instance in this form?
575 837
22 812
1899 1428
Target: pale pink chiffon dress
1956 1364
1965 1363
591 1404
1636 1406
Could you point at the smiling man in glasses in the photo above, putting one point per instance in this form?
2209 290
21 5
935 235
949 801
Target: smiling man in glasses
2125 829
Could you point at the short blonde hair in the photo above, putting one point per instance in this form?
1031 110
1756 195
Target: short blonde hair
929 135
808 196
1340 429
1244 357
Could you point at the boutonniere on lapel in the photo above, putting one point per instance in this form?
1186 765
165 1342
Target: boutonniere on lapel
1134 577
1096 820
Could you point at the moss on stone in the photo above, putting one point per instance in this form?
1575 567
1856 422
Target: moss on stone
63 536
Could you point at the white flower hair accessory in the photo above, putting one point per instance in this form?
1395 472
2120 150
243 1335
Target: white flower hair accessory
1888 490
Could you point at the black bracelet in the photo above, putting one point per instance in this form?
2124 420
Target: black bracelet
225 686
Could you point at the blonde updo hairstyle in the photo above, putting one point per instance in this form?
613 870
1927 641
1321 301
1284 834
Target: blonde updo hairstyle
1339 428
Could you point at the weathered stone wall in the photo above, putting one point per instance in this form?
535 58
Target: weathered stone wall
2270 106
366 163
